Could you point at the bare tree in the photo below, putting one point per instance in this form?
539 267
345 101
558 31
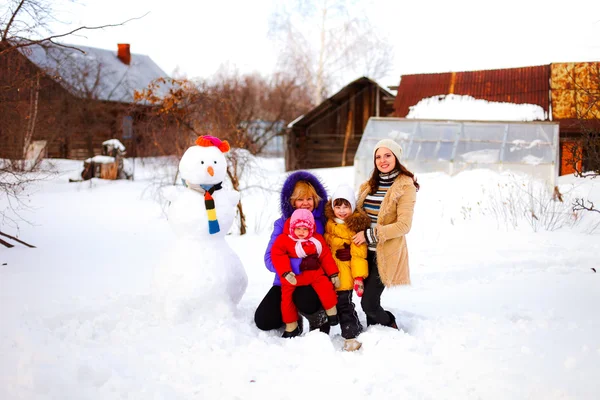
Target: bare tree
247 110
324 41
24 24
178 108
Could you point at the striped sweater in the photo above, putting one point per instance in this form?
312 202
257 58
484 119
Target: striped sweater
373 203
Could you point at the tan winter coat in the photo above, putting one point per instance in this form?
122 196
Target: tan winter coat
393 223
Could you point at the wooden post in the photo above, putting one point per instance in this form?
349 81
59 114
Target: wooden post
377 101
89 169
347 135
366 108
109 171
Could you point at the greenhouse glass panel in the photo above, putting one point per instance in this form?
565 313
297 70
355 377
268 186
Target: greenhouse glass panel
454 146
427 151
523 132
478 152
477 131
445 152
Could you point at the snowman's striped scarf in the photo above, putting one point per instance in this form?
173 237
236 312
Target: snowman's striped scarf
209 204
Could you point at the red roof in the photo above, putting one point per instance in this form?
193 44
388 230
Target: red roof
527 85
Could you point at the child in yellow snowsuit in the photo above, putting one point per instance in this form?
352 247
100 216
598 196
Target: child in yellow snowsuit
343 221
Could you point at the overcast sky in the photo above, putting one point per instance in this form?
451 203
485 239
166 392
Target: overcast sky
197 36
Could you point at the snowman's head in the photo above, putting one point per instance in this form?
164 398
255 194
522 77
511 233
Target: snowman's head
204 163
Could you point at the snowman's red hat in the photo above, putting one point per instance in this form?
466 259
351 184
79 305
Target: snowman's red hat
207 141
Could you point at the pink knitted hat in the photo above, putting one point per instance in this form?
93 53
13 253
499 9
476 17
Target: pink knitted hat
302 217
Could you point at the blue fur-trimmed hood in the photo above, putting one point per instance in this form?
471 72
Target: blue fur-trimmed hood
288 189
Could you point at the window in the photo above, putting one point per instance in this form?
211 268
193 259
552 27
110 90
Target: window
127 125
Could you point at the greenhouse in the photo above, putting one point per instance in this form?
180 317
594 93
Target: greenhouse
455 146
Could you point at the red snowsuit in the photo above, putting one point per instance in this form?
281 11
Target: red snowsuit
284 248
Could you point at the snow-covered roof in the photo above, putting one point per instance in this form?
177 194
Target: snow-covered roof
96 74
291 124
457 107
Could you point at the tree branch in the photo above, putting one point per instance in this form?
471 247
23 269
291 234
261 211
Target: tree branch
23 42
579 205
11 21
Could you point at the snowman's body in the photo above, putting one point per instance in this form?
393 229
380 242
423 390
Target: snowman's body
202 276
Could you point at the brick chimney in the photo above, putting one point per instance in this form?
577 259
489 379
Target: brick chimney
124 54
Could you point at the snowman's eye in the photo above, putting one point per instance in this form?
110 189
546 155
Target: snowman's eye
215 162
201 162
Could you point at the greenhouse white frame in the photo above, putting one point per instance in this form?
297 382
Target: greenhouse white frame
454 146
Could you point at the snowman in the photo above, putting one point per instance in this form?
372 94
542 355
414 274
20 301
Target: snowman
201 276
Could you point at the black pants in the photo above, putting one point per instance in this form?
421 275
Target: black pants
268 313
349 322
371 299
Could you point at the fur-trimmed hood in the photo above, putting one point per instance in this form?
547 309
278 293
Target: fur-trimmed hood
286 212
288 188
357 222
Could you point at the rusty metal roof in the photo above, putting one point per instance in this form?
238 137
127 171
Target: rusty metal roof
527 85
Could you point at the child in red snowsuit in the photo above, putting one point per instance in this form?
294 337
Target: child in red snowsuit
303 242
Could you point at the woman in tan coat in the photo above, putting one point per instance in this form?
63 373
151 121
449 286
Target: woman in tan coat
388 197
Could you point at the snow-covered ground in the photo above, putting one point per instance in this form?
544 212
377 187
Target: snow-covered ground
497 309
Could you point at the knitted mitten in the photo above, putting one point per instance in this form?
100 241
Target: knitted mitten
309 263
344 254
290 277
359 286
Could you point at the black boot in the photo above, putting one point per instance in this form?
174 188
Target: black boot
392 323
325 328
300 323
289 335
333 320
318 320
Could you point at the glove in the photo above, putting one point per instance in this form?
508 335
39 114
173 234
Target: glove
310 262
290 277
309 247
335 279
359 286
343 254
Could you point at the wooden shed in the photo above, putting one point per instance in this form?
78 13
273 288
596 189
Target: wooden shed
329 134
569 93
72 99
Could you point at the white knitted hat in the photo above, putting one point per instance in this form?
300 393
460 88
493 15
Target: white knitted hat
344 192
390 144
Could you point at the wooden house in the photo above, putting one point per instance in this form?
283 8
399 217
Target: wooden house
568 93
73 98
329 134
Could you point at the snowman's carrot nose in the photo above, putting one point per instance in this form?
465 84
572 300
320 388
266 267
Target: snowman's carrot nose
211 171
